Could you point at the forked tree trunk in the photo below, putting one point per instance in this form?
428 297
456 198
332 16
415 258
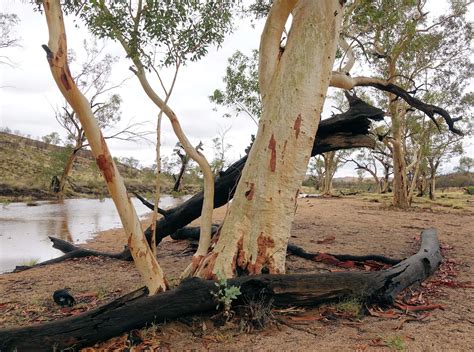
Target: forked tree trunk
255 232
146 263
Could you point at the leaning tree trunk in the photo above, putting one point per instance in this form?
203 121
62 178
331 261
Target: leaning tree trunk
178 185
293 84
56 50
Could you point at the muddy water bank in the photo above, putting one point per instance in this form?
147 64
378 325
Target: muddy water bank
24 229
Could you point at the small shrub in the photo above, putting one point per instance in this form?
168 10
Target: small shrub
30 262
350 306
396 343
469 190
224 296
255 314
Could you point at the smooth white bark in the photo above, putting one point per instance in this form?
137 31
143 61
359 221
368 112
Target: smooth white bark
145 261
255 233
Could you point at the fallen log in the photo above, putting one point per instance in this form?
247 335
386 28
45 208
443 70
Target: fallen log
343 131
193 296
300 252
71 251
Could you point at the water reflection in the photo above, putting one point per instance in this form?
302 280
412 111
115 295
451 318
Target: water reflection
24 230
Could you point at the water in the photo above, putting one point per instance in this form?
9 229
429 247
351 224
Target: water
24 230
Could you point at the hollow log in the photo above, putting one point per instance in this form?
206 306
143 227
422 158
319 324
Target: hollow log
136 309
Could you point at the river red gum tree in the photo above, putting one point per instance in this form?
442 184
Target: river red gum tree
146 263
293 84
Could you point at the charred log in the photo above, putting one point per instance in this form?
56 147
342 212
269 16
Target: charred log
71 251
300 252
344 131
193 296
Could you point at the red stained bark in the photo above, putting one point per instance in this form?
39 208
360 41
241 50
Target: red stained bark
297 126
249 194
106 167
272 147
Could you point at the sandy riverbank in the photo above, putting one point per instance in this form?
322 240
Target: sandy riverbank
357 226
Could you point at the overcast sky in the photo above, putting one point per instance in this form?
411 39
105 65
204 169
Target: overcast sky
28 92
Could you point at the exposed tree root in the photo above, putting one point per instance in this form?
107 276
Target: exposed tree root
193 296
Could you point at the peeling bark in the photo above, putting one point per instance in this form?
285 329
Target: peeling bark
293 86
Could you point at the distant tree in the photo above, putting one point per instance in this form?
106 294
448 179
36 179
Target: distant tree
52 138
8 21
94 80
183 160
466 163
316 170
365 162
241 91
332 161
131 164
220 148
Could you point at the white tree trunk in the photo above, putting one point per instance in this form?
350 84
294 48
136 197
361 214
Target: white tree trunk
145 261
255 233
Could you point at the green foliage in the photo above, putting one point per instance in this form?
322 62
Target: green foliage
466 163
160 32
396 342
225 295
55 164
241 92
351 306
470 190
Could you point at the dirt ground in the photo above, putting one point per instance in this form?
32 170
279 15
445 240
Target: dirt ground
341 225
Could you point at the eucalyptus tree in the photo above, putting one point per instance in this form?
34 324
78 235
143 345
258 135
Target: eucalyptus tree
365 162
93 78
408 47
293 83
8 39
151 33
466 163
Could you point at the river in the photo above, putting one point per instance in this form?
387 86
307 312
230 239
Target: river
24 229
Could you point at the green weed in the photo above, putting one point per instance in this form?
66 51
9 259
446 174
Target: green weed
396 343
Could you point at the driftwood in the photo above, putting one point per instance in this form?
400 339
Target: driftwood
193 296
